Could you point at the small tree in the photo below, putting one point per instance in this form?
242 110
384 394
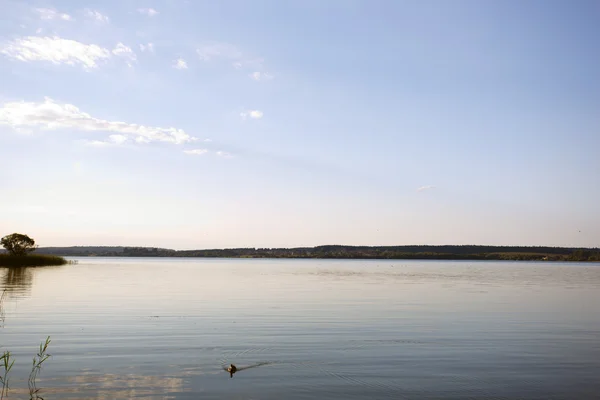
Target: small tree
18 244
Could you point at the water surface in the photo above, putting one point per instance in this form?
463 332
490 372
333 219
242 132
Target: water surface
330 329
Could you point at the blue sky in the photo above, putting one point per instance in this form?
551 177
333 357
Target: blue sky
201 124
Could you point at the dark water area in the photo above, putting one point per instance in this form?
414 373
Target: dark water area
324 329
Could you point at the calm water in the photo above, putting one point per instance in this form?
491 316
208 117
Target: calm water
162 328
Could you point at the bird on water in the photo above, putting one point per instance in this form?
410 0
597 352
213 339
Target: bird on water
232 369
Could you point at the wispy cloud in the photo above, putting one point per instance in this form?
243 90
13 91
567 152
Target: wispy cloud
260 76
96 16
55 50
149 47
224 51
113 140
126 53
254 114
211 51
151 12
196 152
180 64
424 188
224 154
50 14
50 115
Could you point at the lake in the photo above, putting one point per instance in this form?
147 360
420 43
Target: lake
163 328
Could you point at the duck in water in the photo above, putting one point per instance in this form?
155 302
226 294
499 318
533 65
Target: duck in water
232 369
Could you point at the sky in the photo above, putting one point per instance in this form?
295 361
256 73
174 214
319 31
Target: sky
270 123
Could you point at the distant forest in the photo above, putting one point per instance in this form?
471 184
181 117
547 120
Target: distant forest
447 252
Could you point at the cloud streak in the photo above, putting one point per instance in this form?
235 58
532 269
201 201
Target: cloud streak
254 114
51 115
214 51
50 14
113 140
96 16
55 50
224 154
64 51
151 12
424 188
260 76
196 152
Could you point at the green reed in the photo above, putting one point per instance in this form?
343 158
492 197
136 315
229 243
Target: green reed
41 357
7 362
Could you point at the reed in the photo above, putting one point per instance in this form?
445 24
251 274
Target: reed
31 260
7 362
42 356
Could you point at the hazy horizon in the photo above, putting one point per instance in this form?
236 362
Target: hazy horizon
197 125
302 246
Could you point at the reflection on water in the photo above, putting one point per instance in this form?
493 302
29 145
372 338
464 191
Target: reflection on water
164 328
17 281
107 387
2 313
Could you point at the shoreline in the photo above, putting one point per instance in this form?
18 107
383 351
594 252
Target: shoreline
341 252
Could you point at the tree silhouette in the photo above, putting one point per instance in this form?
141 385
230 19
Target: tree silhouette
18 244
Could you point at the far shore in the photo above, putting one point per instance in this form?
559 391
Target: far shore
423 252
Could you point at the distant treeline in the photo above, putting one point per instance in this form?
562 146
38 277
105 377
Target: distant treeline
446 252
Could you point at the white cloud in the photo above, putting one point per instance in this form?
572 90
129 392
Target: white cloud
151 12
96 16
423 188
55 50
113 140
196 152
50 14
147 47
224 154
260 76
255 114
117 139
50 115
180 64
97 143
125 52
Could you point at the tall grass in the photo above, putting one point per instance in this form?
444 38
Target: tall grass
7 362
42 356
31 260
